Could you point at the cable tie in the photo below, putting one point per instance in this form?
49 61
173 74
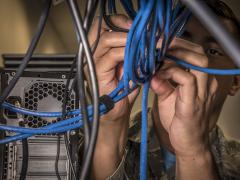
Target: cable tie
107 101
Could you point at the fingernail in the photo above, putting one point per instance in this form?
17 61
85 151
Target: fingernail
129 22
164 75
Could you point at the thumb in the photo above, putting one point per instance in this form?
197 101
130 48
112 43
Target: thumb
120 21
161 86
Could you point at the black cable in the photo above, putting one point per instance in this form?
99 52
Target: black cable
66 95
67 91
31 48
64 106
57 157
217 29
25 155
108 20
95 45
93 51
99 28
90 11
84 44
25 152
69 156
81 93
88 18
80 81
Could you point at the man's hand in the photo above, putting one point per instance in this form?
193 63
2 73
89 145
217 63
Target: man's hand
184 101
113 127
109 57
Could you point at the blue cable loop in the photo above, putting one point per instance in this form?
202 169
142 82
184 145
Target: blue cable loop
205 70
128 43
130 60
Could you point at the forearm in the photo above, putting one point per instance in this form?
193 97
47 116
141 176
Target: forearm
198 167
109 149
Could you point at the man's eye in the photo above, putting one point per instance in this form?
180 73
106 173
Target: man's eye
214 52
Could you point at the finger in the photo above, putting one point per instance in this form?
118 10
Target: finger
184 44
187 84
133 95
110 60
178 43
161 87
197 60
119 20
213 85
108 41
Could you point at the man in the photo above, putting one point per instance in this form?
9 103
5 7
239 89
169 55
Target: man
184 140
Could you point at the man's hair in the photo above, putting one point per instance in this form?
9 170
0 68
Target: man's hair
223 10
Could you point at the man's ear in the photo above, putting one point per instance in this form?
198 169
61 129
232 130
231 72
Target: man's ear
235 86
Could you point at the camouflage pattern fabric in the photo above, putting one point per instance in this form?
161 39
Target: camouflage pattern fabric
226 155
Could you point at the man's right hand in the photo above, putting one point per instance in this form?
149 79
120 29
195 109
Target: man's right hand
108 59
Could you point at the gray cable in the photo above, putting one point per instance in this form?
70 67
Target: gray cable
84 44
218 30
88 17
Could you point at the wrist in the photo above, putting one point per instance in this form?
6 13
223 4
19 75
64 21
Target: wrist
120 113
200 166
193 149
109 150
112 135
199 157
106 160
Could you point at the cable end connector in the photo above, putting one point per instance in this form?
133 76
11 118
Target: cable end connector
107 101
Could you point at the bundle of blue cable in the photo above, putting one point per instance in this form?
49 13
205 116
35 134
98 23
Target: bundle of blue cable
154 19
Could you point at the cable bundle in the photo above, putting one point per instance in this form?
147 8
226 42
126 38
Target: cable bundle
152 20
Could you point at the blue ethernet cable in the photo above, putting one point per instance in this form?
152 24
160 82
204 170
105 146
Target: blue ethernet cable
49 129
144 134
205 70
55 114
20 110
59 126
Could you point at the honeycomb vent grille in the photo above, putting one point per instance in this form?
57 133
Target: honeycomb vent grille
52 93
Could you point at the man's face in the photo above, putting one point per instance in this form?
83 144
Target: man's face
196 33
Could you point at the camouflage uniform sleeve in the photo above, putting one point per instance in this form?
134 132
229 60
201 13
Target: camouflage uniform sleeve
133 134
120 173
129 166
226 155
